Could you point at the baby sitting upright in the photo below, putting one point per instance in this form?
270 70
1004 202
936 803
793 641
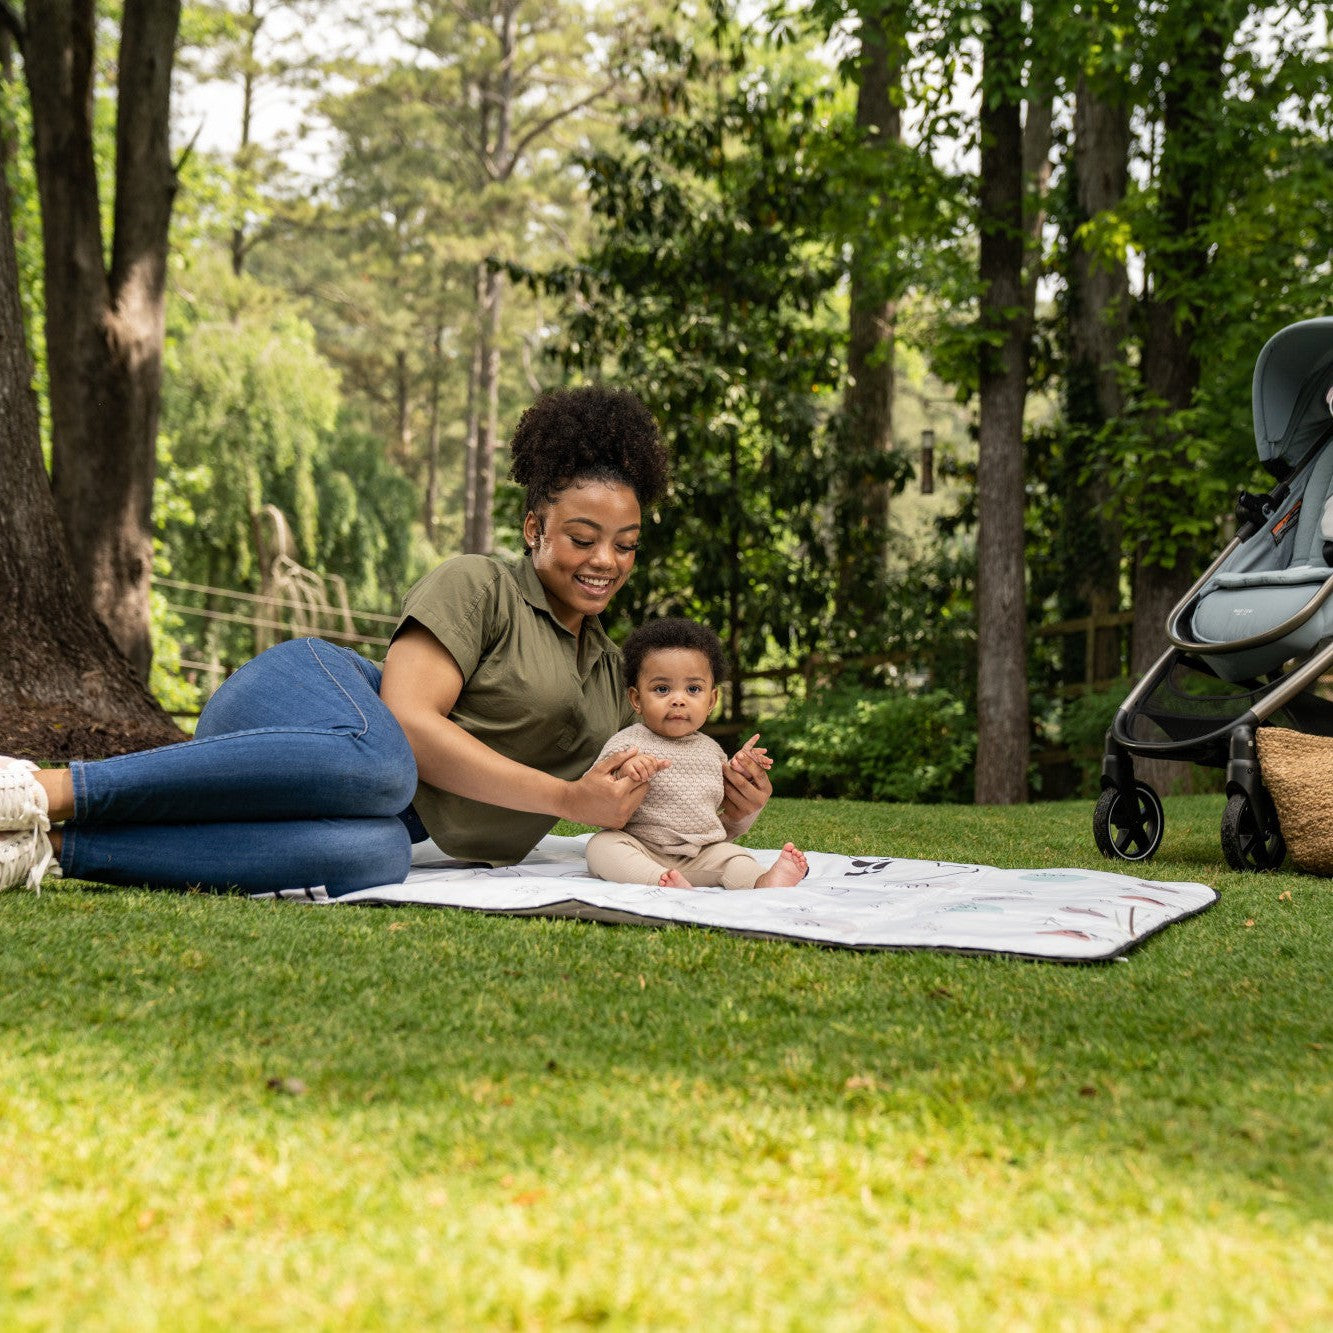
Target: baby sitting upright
676 838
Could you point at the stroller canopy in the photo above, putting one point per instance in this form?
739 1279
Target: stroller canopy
1292 378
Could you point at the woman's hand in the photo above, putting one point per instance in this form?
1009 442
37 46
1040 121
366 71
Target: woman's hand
747 787
612 789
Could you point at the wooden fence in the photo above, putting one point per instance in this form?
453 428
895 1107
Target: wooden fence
292 609
1092 631
297 602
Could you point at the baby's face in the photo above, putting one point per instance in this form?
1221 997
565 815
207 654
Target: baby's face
675 692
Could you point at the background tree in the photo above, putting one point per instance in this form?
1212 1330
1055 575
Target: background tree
1002 689
104 323
65 690
866 469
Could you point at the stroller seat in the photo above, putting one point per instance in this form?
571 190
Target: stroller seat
1271 578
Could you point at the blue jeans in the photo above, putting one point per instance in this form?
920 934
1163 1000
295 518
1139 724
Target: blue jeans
297 775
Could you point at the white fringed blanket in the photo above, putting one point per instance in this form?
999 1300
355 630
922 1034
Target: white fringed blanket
855 902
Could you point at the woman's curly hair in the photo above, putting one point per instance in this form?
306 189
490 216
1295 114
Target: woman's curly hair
672 632
588 434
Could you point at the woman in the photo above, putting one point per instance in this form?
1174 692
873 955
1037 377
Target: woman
309 766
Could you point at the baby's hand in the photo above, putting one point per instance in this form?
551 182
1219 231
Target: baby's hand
752 751
642 768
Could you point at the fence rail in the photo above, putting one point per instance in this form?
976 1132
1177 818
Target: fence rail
301 605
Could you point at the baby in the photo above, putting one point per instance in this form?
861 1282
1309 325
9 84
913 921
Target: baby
676 838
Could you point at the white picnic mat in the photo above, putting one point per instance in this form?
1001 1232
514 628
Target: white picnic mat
855 902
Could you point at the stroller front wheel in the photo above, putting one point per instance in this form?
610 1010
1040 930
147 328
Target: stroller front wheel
1249 841
1128 827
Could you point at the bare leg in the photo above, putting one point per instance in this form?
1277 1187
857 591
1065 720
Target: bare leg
790 868
59 789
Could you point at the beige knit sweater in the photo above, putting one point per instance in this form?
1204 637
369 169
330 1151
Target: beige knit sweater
679 816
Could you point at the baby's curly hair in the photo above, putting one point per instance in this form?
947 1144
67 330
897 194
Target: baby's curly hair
594 433
672 632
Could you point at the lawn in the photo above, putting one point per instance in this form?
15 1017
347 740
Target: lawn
217 1114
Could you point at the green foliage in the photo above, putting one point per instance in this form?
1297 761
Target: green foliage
709 292
1083 723
247 406
879 745
167 682
365 532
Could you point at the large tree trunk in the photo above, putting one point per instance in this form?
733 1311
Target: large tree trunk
1098 313
65 691
1002 688
105 328
863 496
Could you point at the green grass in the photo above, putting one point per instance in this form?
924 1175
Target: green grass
484 1122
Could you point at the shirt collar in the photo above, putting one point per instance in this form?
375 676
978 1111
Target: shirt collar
593 642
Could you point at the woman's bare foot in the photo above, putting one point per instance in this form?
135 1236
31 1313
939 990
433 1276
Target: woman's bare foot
790 868
673 879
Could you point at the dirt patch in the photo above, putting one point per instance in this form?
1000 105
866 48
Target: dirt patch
57 736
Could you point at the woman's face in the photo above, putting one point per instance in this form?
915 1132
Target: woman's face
583 546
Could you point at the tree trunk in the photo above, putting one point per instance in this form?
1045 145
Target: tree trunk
65 691
431 499
240 241
1002 689
488 392
472 445
863 496
1098 313
105 329
1038 135
402 398
1177 264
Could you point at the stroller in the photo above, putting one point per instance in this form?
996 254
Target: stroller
1252 638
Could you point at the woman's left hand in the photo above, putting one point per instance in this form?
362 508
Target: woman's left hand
747 787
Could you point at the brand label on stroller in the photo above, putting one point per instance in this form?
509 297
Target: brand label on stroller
1281 527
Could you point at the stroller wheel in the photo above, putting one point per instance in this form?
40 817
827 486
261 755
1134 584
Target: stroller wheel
1247 842
1128 828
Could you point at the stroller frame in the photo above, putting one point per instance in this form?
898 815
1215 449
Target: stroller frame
1128 820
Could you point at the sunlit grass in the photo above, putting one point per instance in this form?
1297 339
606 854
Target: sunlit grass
215 1113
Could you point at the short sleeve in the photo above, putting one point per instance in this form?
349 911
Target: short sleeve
458 602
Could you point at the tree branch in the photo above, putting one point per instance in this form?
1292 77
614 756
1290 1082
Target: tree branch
547 122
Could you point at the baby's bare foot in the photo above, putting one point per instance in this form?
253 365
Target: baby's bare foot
790 868
673 879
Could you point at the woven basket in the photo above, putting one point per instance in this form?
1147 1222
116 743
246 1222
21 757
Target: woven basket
1298 772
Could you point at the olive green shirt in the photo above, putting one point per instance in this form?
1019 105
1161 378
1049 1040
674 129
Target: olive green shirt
531 691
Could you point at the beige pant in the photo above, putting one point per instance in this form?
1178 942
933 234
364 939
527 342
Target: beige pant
619 856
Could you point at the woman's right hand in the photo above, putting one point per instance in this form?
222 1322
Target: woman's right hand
605 799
